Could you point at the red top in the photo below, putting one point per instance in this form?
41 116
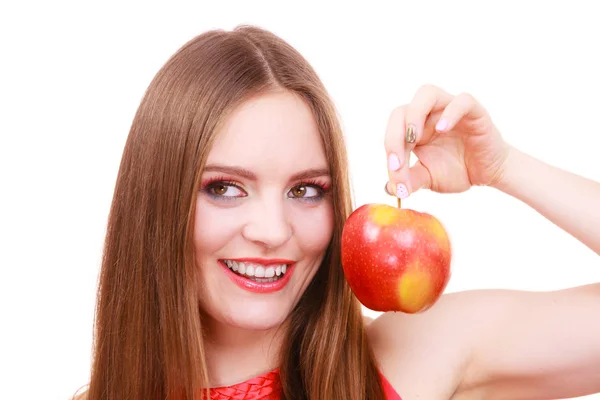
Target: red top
268 387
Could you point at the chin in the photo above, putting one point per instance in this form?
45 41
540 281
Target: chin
257 319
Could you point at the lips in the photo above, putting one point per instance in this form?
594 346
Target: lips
259 275
264 261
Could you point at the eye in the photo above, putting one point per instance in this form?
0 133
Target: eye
224 189
305 191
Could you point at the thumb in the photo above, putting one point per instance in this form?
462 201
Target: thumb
420 178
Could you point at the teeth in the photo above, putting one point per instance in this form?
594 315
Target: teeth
261 273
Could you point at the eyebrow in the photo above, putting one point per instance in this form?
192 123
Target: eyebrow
247 174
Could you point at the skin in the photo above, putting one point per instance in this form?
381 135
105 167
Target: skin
470 345
267 215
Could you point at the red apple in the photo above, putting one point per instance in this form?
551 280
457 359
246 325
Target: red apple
395 259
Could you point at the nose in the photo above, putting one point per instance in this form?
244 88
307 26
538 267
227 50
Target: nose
268 225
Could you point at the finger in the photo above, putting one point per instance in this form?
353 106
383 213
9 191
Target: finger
398 158
457 109
405 131
420 177
426 100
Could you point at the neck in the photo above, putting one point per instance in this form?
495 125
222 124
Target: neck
234 354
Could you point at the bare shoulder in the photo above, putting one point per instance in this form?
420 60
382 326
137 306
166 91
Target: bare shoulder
427 354
394 330
456 313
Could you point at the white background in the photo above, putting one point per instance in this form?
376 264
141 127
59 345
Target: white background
72 76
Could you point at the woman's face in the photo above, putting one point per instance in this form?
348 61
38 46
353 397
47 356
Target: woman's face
264 215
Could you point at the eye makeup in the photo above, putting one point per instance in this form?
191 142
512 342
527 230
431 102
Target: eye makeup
223 188
218 186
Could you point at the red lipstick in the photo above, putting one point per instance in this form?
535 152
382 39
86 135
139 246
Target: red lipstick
263 261
260 287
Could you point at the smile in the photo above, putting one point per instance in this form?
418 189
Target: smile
257 275
258 272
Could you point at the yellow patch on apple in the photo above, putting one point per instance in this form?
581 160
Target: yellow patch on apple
384 215
415 290
436 228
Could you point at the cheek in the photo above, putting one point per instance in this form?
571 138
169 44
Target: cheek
213 228
313 228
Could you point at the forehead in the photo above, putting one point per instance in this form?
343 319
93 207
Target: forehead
270 133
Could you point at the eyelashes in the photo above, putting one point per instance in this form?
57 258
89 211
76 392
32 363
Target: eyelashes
298 192
223 189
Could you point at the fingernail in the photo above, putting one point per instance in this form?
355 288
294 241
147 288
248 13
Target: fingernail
401 191
441 125
411 134
393 162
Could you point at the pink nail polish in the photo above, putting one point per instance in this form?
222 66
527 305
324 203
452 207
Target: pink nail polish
441 125
393 162
401 191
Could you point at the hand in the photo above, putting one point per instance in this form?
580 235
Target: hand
454 139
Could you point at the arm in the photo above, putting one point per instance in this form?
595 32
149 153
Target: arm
495 344
532 345
541 344
569 201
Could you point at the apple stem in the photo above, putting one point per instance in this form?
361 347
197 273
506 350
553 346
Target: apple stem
399 203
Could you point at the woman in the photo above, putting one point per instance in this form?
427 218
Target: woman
221 272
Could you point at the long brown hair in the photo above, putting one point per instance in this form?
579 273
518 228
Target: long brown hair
148 331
